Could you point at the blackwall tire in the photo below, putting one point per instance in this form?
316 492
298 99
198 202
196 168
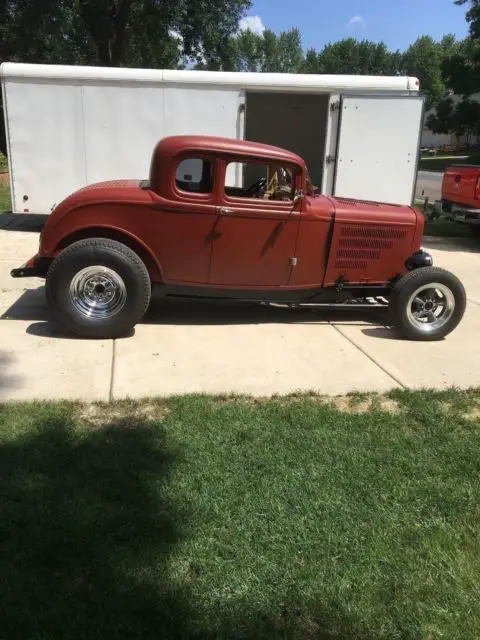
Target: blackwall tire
427 304
98 288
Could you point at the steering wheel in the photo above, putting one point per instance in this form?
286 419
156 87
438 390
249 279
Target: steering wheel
257 189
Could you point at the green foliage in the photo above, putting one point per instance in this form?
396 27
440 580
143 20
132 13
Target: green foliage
461 118
267 52
350 56
115 32
441 121
472 16
461 68
3 162
423 59
5 201
461 64
283 53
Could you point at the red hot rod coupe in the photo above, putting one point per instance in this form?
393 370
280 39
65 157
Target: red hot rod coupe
222 218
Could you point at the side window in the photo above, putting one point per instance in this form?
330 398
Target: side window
257 180
195 175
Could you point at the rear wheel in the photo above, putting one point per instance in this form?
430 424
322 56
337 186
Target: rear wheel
98 288
427 303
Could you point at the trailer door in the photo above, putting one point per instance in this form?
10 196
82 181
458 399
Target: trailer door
377 148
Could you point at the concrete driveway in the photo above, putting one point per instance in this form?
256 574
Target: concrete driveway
185 347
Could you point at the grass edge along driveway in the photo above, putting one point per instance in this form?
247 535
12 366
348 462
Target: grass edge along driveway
200 517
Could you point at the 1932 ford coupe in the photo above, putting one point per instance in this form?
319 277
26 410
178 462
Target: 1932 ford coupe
222 218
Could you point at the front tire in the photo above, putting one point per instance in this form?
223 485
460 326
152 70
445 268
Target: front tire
98 288
427 304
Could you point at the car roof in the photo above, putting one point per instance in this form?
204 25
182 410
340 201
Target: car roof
174 145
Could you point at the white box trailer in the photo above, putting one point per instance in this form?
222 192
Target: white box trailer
69 126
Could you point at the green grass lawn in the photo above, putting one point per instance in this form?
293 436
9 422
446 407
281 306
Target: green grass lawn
5 202
232 518
441 162
441 227
447 229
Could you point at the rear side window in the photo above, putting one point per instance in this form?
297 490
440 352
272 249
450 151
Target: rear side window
195 175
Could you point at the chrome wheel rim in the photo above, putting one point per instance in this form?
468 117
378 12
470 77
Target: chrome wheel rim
430 307
98 292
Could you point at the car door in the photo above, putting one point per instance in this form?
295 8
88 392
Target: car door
254 237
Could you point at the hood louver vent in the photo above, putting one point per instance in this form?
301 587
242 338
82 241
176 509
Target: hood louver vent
373 232
358 244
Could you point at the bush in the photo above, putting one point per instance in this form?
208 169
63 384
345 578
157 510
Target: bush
3 162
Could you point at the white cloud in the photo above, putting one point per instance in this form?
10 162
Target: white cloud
254 23
357 21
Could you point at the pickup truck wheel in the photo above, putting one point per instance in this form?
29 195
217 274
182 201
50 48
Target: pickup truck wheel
427 303
98 288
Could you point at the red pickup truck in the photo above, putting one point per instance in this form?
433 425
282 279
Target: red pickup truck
221 218
461 196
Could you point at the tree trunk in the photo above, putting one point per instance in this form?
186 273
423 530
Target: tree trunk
119 42
108 29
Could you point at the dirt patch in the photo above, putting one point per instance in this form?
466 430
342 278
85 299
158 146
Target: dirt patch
348 404
473 413
105 415
4 178
359 404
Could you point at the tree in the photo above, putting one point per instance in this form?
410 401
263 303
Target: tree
350 56
248 51
119 26
310 64
45 31
461 118
423 59
442 120
116 32
267 52
472 16
461 64
283 53
467 118
461 68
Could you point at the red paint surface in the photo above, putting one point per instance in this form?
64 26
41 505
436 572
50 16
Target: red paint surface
459 185
185 240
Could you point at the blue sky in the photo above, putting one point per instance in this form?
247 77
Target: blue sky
397 22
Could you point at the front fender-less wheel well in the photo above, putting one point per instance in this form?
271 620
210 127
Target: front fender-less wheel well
110 234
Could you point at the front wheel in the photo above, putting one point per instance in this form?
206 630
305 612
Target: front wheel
98 288
427 303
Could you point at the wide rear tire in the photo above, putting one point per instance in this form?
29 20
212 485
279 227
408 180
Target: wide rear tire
427 304
98 288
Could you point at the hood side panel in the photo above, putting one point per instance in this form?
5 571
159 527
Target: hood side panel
370 242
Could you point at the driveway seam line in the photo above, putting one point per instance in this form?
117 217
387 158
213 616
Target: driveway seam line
473 302
390 375
112 371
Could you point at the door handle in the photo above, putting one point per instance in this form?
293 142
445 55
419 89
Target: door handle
225 211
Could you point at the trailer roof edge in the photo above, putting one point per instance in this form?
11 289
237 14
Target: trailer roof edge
247 80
